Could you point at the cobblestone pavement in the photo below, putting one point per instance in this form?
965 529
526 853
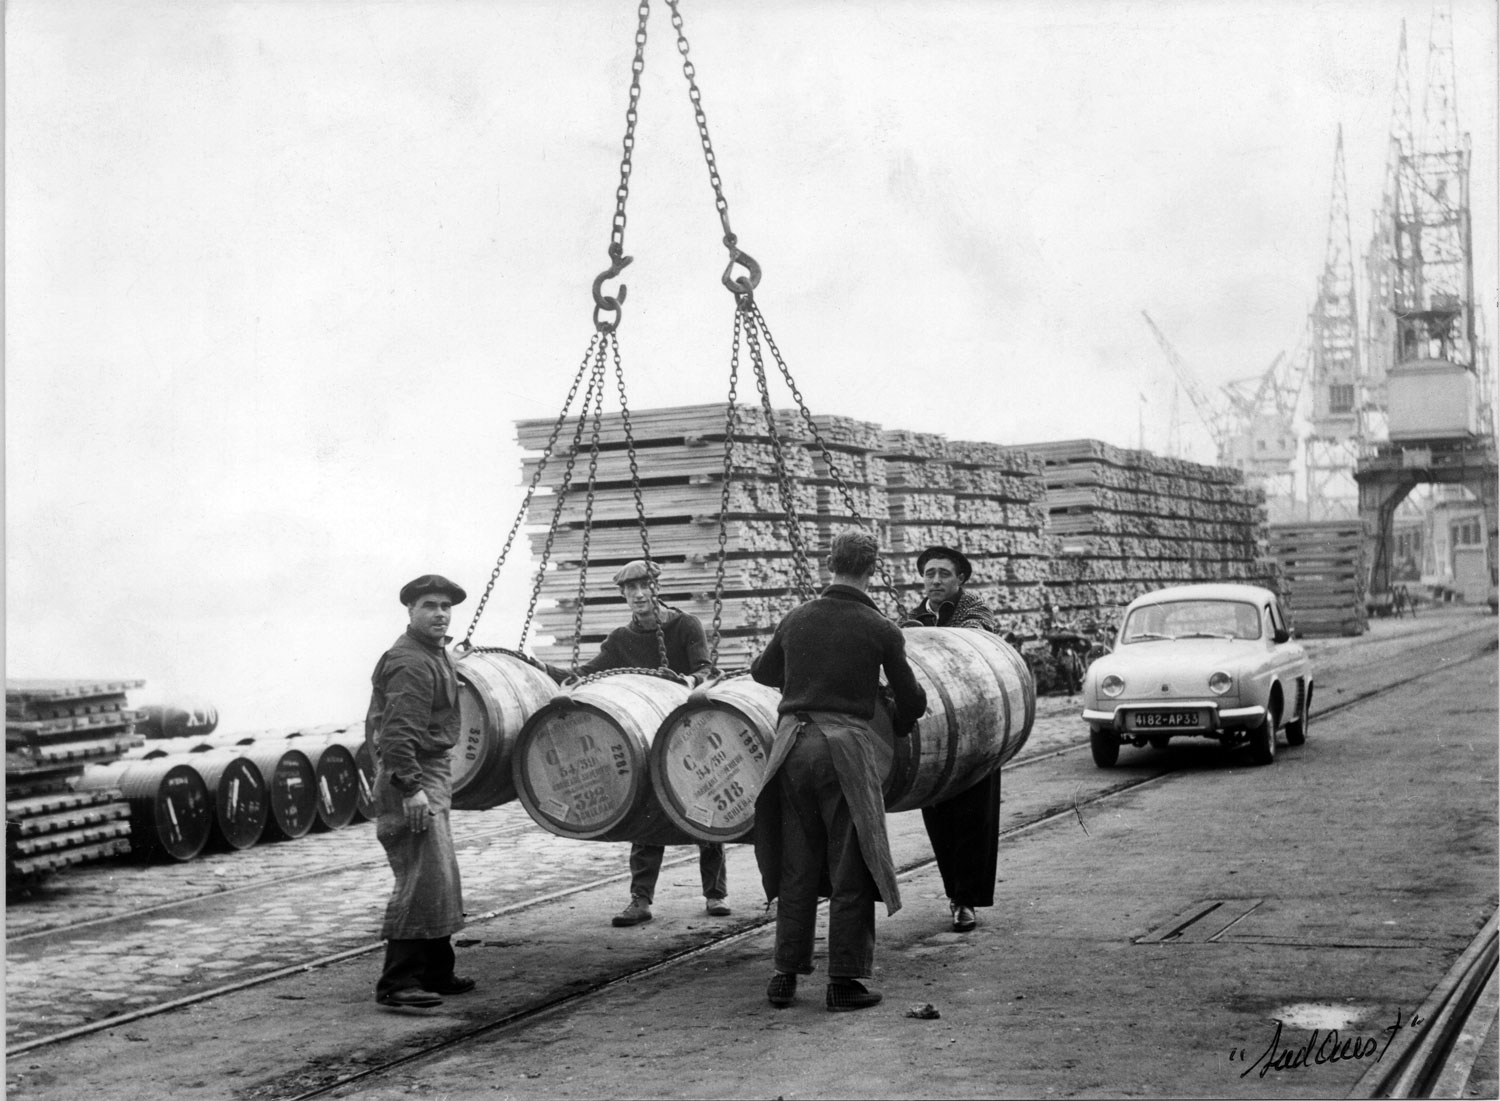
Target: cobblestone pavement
282 905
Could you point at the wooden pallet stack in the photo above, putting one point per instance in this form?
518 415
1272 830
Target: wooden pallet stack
53 730
983 499
1127 522
680 461
1325 566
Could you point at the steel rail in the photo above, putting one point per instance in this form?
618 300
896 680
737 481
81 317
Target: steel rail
1425 1061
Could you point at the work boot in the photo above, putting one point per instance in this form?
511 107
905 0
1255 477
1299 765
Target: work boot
781 989
637 913
963 917
453 984
717 907
848 994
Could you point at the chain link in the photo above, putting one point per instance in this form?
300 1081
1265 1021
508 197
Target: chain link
622 191
807 420
734 374
562 492
640 504
536 478
743 285
598 380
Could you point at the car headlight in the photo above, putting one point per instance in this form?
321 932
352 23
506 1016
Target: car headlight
1112 685
1219 683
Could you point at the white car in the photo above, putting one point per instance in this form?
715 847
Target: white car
1203 661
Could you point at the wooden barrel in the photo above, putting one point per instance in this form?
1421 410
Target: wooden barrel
338 781
497 693
352 738
176 720
171 814
291 788
981 702
708 759
582 761
239 794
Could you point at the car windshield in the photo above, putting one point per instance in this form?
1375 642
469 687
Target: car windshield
1192 619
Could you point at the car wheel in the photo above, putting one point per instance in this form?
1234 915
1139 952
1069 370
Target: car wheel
1160 741
1105 745
1263 741
1296 732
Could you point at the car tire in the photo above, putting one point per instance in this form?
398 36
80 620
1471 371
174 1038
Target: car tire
1105 746
1296 731
1263 741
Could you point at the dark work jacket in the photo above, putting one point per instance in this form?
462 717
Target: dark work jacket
632 647
413 718
827 654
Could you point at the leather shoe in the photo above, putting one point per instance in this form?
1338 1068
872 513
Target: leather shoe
781 989
453 984
409 999
963 917
717 907
637 913
844 996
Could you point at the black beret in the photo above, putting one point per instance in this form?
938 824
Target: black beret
965 571
431 583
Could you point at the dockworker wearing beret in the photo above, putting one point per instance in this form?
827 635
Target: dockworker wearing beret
964 830
634 646
412 724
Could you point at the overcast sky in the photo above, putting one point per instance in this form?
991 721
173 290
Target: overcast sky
281 275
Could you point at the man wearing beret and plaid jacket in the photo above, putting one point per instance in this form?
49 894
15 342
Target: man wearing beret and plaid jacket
633 646
412 723
964 830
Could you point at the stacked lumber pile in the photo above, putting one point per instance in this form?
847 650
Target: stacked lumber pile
1325 568
1127 522
53 729
983 499
680 459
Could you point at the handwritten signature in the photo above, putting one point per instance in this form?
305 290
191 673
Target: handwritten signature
1321 1047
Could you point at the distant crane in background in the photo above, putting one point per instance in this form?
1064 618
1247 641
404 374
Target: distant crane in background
1251 422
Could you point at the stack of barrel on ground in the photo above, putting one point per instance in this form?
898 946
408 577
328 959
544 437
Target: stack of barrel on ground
54 729
1061 535
1325 567
1126 522
229 791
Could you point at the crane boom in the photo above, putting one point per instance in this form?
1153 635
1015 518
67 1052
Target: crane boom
1213 417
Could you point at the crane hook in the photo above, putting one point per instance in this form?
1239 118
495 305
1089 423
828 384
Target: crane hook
604 302
745 284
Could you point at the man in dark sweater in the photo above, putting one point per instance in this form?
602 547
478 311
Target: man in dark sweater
639 644
820 818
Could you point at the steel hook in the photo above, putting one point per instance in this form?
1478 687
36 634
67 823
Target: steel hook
745 283
604 302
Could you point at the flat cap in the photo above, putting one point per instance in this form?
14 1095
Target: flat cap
639 570
413 591
965 571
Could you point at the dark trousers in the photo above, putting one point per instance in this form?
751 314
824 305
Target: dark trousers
818 839
415 964
645 866
965 836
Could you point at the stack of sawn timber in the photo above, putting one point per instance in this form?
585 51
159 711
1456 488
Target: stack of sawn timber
53 729
680 460
1128 521
987 501
1324 566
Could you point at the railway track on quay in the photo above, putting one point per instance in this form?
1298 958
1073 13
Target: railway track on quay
1429 1054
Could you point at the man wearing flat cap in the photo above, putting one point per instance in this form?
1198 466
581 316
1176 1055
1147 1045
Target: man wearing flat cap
638 645
412 723
964 830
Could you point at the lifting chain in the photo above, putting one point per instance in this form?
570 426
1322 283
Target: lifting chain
618 260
